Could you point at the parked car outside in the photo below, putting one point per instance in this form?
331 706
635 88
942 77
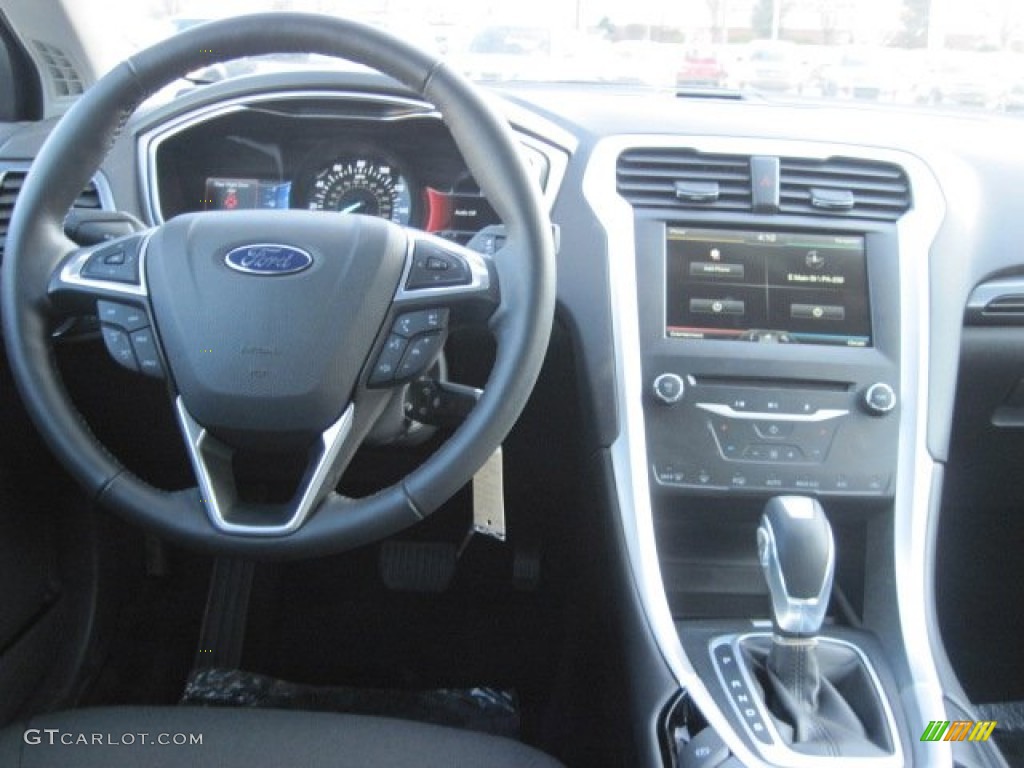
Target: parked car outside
769 65
701 67
860 73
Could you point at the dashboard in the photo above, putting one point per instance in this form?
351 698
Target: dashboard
764 298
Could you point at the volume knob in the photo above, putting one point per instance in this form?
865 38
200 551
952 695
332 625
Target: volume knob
669 388
879 399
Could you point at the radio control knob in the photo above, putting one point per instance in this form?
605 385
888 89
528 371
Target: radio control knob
879 399
669 388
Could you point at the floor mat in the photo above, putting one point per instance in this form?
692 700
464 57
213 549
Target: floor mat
1009 733
477 709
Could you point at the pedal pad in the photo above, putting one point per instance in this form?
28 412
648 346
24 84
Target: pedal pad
417 566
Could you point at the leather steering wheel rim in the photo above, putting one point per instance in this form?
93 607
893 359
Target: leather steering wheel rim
36 245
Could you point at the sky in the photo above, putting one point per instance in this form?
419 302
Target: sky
980 15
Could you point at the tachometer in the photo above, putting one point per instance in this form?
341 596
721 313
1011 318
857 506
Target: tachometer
361 185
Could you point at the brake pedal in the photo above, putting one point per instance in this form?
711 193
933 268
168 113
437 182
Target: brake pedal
417 566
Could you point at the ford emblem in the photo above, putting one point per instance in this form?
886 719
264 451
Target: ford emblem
268 259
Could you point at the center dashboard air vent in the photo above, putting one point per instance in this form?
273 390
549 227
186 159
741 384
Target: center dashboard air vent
684 178
10 186
842 187
837 187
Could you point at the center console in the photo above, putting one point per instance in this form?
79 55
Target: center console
770 356
769 311
771 363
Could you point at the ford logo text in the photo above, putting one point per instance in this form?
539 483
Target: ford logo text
267 259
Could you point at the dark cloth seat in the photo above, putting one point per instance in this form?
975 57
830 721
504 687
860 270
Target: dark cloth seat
131 736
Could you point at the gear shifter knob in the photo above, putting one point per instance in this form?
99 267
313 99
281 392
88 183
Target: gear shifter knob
797 553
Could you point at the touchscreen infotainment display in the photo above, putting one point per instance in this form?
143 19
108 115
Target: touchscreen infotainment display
774 286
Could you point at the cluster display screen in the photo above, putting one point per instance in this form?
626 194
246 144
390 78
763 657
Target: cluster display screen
239 194
783 287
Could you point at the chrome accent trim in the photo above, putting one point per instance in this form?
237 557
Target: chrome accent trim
779 753
480 277
990 290
148 142
529 124
823 414
802 616
99 180
916 468
216 491
916 231
103 191
71 272
558 163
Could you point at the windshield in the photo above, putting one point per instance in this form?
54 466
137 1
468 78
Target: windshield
961 54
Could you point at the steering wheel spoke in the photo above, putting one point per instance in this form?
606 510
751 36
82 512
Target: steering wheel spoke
108 280
109 270
442 272
441 281
212 463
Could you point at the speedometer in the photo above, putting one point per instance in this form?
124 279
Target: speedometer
361 185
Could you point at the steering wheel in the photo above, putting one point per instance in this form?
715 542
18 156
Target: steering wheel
276 329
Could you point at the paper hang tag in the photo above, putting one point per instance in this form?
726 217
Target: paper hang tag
489 498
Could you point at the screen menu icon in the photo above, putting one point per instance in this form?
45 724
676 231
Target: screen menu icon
792 287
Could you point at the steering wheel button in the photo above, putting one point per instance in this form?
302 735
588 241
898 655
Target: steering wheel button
434 267
120 347
383 372
146 353
414 323
118 263
423 350
122 315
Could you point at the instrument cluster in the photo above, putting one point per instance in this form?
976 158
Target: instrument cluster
366 180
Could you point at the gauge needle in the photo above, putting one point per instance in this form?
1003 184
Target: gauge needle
354 207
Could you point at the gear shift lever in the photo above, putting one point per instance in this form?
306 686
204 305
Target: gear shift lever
797 553
818 692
